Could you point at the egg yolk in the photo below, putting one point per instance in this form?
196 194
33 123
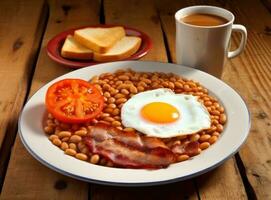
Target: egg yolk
160 112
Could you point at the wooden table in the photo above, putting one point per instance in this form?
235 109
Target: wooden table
26 27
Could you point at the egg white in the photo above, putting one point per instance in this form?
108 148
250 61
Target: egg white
193 115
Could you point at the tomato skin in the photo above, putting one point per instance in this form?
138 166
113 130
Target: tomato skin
72 101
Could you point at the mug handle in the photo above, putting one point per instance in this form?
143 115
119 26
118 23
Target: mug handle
241 29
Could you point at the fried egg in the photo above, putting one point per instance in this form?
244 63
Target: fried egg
164 114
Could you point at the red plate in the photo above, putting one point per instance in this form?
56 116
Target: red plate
55 44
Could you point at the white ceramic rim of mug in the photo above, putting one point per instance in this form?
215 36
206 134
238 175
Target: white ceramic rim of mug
203 9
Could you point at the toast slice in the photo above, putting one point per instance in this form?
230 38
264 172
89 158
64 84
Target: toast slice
124 48
99 39
74 50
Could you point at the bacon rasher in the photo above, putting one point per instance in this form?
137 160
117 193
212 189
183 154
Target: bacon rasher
128 149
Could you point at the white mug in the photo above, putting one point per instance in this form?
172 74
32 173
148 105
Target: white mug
206 47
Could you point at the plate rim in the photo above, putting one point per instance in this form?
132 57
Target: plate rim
128 184
76 64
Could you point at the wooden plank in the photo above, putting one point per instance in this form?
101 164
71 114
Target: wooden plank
141 15
224 182
253 71
19 41
33 180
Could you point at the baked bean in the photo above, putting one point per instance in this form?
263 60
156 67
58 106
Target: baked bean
178 85
124 91
65 139
140 88
111 100
123 77
70 152
222 119
215 122
49 129
52 137
186 88
221 109
181 158
81 132
109 119
64 146
113 91
119 127
164 84
207 103
133 89
63 134
117 118
128 129
171 85
116 111
108 110
204 145
212 139
94 159
118 82
143 84
104 115
81 156
128 82
117 96
111 105
104 122
216 134
121 100
212 129
98 87
204 137
73 146
123 86
106 94
57 142
219 128
75 138
116 123
194 137
215 112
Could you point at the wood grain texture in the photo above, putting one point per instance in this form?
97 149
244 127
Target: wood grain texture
224 182
141 15
253 71
33 180
18 52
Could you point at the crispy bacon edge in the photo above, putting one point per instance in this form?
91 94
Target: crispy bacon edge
128 149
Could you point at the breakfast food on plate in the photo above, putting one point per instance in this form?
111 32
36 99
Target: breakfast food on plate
147 120
74 50
162 113
107 44
123 48
99 40
74 101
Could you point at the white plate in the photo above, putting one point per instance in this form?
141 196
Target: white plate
234 135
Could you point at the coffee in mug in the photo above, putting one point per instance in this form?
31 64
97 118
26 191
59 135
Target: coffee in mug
201 19
203 36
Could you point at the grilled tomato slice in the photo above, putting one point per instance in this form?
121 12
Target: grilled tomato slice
74 101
